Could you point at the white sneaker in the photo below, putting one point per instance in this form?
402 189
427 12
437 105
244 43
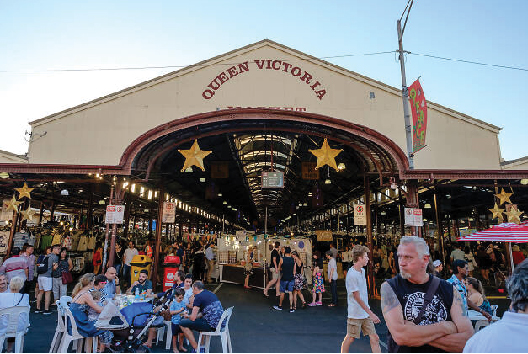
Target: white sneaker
278 308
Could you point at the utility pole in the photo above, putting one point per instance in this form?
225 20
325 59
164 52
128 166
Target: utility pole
405 90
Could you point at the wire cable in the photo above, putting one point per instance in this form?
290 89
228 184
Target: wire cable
469 61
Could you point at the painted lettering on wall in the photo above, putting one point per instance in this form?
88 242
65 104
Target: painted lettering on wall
265 64
295 109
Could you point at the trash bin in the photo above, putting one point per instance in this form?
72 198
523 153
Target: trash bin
171 265
138 263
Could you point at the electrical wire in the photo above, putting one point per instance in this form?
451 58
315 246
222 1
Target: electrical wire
469 61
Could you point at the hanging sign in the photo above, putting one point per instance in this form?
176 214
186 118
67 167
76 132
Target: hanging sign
272 180
169 213
6 214
419 113
324 235
413 217
115 214
360 214
309 171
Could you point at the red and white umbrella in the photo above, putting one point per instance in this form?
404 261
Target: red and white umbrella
505 232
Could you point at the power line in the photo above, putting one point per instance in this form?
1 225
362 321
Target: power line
469 61
473 62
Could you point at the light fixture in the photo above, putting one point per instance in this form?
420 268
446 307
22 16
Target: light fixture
225 203
133 188
219 194
101 202
427 206
188 169
229 207
305 204
202 179
64 192
523 181
383 213
4 175
341 166
327 181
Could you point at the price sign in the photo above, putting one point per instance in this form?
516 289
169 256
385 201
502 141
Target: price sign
413 217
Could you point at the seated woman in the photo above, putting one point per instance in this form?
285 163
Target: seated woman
10 298
476 294
83 302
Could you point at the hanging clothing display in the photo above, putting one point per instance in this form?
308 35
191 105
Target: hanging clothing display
83 244
45 242
57 239
67 242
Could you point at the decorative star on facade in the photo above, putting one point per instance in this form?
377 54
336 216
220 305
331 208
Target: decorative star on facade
326 155
513 215
497 213
504 197
24 191
28 214
194 157
13 204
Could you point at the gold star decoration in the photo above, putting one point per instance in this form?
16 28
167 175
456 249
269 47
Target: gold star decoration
513 215
194 156
28 214
24 191
497 213
13 204
504 197
326 155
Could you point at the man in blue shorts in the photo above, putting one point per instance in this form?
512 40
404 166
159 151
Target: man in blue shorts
287 280
206 303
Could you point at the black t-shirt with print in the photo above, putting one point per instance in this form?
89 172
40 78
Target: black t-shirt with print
411 297
275 255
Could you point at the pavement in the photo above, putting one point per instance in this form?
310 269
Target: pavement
256 327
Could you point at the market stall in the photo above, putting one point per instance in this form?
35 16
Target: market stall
234 251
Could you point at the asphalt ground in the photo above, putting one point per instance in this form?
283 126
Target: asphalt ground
256 327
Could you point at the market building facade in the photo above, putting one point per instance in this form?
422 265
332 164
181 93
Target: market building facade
259 108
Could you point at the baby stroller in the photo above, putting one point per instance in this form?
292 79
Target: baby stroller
141 316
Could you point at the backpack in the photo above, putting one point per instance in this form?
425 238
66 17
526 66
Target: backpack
43 266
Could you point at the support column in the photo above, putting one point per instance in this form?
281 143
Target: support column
12 234
371 281
412 202
155 261
89 211
41 214
107 230
438 224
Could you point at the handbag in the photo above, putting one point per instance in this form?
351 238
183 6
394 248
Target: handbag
66 278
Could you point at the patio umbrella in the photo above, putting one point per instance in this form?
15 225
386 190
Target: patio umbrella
505 232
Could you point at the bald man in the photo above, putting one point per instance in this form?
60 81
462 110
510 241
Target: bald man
112 286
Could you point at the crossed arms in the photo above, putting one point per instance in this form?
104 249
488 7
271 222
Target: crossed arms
450 336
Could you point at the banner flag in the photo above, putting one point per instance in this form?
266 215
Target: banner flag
419 114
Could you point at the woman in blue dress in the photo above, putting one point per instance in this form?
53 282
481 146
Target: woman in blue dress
80 305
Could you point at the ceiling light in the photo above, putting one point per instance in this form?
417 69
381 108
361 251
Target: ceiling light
523 181
102 202
188 169
427 206
202 179
64 192
4 175
219 194
327 181
383 213
341 166
225 203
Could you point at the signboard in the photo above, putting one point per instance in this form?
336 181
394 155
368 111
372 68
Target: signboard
419 113
360 214
272 180
413 217
169 213
115 214
309 171
6 214
219 169
324 235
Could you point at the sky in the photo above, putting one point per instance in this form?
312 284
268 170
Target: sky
41 39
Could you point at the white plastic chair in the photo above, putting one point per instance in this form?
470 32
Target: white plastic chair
223 333
483 323
63 303
13 316
161 332
75 336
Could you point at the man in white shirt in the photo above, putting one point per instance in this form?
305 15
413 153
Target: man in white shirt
360 317
509 334
130 252
332 276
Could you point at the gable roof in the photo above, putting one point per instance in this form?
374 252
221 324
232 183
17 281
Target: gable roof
247 48
13 157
